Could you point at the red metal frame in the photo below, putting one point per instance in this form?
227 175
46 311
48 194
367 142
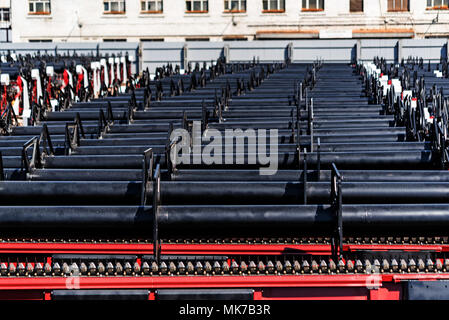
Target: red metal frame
267 287
155 282
408 248
370 281
201 249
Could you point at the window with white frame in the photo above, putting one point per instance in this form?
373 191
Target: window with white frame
111 6
234 5
312 5
197 6
150 6
39 7
273 5
4 15
397 5
437 4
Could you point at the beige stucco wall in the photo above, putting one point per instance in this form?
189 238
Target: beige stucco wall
84 20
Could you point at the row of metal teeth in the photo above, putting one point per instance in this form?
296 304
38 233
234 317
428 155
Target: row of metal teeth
303 240
224 267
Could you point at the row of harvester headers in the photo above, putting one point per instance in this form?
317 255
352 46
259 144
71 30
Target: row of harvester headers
53 84
401 88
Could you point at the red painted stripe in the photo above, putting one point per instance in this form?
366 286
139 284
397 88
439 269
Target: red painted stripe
212 249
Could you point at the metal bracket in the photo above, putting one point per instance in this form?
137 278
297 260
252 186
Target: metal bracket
185 122
170 163
193 82
318 156
2 171
304 177
36 114
289 56
147 173
37 157
204 117
104 122
35 162
298 144
181 86
73 140
172 88
297 99
159 91
130 112
439 149
336 205
298 134
156 204
310 123
45 140
8 119
146 98
292 126
109 113
220 112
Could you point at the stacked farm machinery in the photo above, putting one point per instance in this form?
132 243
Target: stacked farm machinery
112 185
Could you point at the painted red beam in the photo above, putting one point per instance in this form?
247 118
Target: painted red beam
245 249
370 282
196 249
199 249
410 248
321 281
412 276
79 248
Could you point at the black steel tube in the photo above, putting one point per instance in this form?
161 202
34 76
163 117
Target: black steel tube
296 175
220 192
275 218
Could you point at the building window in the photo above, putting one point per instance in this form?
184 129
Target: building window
147 6
4 15
397 5
437 4
114 7
152 40
197 6
235 6
40 40
39 7
273 6
235 38
197 39
313 5
356 6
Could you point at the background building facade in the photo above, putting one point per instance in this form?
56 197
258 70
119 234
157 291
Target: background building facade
218 20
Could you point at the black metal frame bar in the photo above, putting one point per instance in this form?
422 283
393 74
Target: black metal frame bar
310 123
27 164
336 202
2 171
8 119
204 117
147 173
105 122
72 141
37 157
130 114
304 176
156 204
318 156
